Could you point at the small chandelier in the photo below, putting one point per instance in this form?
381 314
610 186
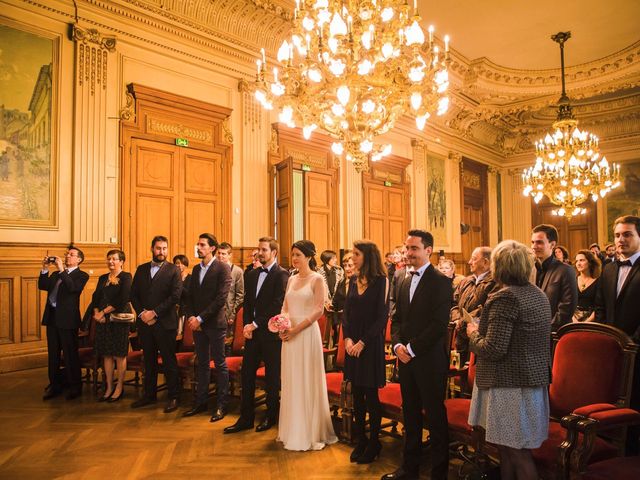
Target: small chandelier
352 68
568 166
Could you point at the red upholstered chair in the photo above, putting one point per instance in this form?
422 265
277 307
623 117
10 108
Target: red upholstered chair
619 468
592 364
339 392
234 361
88 357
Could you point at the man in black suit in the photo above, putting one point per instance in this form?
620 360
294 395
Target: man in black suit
419 335
155 292
264 294
205 314
618 301
555 278
62 319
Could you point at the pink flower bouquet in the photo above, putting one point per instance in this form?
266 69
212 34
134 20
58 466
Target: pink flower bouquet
279 323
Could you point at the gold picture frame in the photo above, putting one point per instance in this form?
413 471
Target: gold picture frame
29 126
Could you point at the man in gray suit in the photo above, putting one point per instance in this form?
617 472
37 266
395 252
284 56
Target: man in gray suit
236 292
556 279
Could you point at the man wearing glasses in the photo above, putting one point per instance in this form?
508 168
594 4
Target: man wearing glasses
62 319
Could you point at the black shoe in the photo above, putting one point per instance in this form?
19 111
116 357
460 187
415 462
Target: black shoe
73 394
51 392
371 452
400 474
239 426
196 409
143 402
266 425
172 405
106 398
115 399
359 450
219 414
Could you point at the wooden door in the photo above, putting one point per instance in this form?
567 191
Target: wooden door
318 213
385 220
475 215
173 192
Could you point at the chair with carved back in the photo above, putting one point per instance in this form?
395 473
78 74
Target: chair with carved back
88 358
234 360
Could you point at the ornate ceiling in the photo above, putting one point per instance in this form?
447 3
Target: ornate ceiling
505 78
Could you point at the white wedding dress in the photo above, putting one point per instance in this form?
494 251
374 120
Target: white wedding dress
305 419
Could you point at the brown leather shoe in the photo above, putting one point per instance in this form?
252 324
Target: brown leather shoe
172 406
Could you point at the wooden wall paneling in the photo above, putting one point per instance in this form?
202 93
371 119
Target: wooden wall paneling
475 211
7 327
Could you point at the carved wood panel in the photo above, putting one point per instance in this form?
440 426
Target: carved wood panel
6 314
318 210
32 308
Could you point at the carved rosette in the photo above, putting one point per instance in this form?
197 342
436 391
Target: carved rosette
92 52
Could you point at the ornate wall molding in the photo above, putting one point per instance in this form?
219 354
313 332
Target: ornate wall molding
178 130
91 57
128 112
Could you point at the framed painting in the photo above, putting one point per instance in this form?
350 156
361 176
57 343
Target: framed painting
624 200
437 199
28 126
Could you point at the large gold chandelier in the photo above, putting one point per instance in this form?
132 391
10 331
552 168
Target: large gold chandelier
352 68
568 166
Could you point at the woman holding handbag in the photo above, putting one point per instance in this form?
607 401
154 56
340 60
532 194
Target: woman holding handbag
112 312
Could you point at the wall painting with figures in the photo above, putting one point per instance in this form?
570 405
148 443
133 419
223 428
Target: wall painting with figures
436 199
27 128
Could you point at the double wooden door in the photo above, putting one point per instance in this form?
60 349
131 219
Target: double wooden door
385 215
171 191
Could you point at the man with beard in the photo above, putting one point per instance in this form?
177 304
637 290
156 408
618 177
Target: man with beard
155 292
264 294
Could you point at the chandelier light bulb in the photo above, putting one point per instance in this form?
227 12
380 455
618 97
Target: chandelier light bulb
337 148
337 26
343 95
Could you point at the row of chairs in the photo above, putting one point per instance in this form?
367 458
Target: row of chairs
589 396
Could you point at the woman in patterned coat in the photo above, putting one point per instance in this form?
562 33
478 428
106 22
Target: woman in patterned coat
510 396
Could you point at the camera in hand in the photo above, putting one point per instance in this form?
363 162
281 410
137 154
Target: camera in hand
51 259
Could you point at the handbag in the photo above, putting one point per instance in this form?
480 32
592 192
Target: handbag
123 317
581 315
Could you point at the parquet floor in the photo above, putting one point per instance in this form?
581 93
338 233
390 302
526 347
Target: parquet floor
83 439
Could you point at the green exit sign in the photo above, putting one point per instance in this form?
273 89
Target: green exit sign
182 142
387 183
306 167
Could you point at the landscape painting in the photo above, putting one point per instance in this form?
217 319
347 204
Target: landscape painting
26 93
624 200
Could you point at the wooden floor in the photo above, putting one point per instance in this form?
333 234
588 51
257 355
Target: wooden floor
83 439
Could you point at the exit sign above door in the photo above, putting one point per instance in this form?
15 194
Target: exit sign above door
182 142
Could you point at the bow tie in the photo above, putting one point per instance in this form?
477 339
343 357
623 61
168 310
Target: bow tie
414 272
624 263
263 270
154 264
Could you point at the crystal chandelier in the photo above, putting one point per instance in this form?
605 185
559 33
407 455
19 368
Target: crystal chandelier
568 166
352 68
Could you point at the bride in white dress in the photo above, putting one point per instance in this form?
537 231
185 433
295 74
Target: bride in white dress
305 419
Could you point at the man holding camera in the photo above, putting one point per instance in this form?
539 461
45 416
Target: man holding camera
62 319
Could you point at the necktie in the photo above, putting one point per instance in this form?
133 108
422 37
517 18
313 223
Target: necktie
53 296
624 263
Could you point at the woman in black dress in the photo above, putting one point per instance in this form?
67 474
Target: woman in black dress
366 313
112 338
588 267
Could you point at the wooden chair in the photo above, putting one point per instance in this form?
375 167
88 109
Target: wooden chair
339 393
88 358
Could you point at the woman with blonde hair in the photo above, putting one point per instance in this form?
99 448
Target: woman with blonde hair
511 343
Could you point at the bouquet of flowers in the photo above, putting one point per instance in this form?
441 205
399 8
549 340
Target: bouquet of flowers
279 323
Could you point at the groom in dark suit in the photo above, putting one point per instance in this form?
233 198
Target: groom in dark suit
155 292
419 336
618 301
62 319
205 315
264 294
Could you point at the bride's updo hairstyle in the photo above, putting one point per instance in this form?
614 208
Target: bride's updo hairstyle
308 249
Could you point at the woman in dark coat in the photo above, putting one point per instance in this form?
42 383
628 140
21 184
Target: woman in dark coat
112 338
366 314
